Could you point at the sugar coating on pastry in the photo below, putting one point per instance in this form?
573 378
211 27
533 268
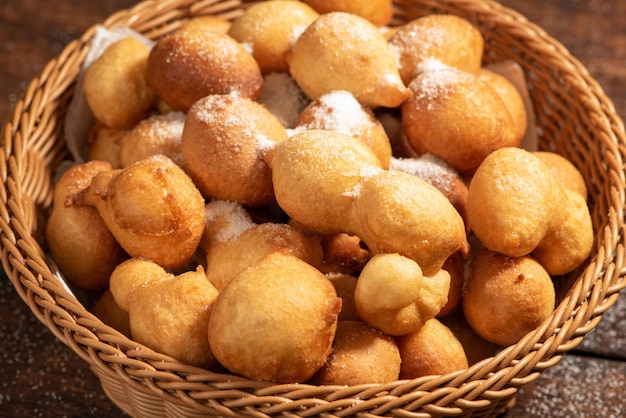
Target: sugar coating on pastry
432 350
507 297
223 143
436 172
269 28
447 38
455 116
157 134
360 355
333 53
283 98
340 111
275 321
187 65
225 220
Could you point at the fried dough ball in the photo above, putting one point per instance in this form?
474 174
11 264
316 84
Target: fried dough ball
152 208
103 144
379 12
345 284
342 51
457 117
208 23
80 243
275 321
450 39
398 212
343 253
131 276
225 259
565 173
394 296
157 134
169 314
513 201
432 350
436 172
511 98
269 28
313 175
187 65
566 247
109 312
455 267
172 317
506 297
340 111
223 142
330 182
476 347
360 355
115 84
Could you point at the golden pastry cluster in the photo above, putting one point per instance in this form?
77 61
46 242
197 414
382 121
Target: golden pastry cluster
306 194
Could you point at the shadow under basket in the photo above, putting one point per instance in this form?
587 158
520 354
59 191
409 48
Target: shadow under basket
573 118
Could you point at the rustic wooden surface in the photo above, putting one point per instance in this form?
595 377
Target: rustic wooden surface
40 377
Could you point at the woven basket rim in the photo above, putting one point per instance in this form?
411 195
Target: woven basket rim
111 353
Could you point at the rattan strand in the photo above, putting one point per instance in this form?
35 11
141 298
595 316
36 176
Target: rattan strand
574 118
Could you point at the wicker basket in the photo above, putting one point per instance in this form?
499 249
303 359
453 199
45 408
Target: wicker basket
573 116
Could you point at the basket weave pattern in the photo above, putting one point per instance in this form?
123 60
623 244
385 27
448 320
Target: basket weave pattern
574 118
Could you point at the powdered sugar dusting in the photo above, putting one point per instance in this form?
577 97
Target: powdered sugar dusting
437 79
221 113
234 219
157 134
283 98
428 168
416 38
337 111
296 31
432 64
264 144
248 46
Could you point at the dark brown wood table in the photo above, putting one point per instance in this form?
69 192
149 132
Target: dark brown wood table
40 377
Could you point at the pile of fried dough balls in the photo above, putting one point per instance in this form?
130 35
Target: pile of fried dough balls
304 194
